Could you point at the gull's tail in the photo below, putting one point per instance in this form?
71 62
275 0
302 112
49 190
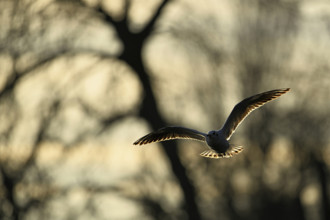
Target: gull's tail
228 154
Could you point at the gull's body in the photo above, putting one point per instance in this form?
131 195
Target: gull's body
218 141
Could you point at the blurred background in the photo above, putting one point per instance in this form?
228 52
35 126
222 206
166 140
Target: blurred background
81 80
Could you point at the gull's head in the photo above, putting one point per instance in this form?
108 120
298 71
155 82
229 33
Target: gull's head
213 138
216 140
212 134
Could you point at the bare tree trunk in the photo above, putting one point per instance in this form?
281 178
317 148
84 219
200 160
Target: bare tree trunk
150 112
132 54
9 183
322 174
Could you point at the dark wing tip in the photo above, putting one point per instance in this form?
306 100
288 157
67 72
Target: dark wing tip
268 96
282 91
279 92
137 142
153 137
143 140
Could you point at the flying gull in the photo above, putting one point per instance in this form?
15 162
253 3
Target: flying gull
217 141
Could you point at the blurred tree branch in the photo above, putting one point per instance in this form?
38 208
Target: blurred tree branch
132 54
264 48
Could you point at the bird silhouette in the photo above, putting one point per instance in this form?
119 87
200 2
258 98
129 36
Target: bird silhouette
217 140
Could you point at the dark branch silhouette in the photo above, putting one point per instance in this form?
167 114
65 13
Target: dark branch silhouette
255 186
132 54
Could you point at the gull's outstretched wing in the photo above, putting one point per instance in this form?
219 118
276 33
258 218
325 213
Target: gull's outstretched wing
245 107
170 133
